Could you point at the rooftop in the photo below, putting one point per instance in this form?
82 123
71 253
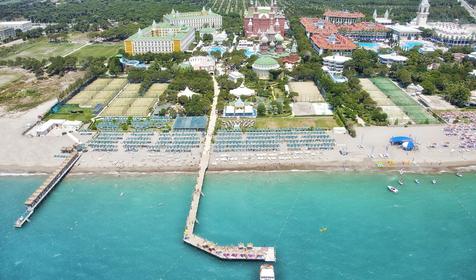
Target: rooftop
337 59
242 91
393 57
343 14
191 122
404 28
189 15
317 25
333 42
291 59
265 61
187 92
363 26
171 32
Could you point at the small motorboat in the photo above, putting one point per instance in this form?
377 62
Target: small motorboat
417 181
401 171
392 189
433 181
400 182
459 174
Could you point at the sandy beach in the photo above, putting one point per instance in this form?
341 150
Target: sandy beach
370 150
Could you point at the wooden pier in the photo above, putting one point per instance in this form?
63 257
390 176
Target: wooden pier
48 185
240 252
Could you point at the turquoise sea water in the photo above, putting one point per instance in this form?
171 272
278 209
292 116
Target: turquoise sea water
87 230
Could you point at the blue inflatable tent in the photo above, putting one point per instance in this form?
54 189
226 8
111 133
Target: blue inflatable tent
398 140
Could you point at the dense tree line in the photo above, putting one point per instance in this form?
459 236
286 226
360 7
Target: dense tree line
95 14
57 65
401 11
438 73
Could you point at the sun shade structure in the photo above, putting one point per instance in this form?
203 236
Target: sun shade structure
242 91
398 140
197 123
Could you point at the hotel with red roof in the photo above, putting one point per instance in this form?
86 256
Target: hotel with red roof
336 36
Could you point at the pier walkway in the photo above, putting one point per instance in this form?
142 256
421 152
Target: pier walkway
240 252
48 185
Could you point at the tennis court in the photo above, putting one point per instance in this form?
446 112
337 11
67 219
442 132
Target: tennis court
130 103
395 115
100 91
409 106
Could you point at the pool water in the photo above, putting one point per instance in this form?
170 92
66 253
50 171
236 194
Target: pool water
369 45
249 52
410 45
216 49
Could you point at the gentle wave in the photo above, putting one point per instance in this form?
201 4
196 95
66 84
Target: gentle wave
24 174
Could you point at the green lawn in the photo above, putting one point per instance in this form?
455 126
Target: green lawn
287 122
40 49
72 113
408 105
98 50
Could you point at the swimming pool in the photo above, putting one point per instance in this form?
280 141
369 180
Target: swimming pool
216 49
249 52
408 45
368 45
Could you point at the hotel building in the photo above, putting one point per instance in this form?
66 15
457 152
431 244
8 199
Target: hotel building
160 38
392 58
195 20
6 32
324 37
343 17
269 21
365 31
452 34
334 66
360 31
23 25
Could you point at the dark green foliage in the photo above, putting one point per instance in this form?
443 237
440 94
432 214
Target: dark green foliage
207 38
114 66
59 65
261 110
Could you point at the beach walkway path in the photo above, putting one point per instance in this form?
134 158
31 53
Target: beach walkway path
240 252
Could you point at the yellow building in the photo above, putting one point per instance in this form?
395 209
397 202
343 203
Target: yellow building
160 38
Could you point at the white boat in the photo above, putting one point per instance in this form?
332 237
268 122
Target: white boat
400 182
392 189
266 272
459 174
433 181
417 181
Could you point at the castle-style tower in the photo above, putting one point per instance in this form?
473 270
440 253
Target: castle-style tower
423 12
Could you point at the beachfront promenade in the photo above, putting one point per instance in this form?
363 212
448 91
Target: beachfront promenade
48 185
240 252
